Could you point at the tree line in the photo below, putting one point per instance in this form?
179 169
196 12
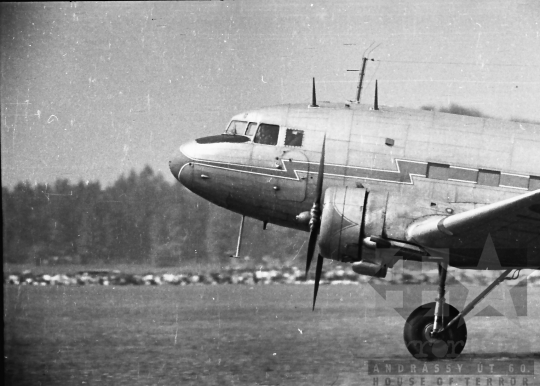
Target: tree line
131 221
141 218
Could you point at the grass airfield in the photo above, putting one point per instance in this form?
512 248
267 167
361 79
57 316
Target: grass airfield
226 335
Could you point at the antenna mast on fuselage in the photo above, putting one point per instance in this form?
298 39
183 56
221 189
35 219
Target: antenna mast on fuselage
361 80
363 71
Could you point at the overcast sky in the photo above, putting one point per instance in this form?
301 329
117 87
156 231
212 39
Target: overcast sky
92 90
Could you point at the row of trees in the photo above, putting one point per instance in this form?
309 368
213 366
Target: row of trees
454 108
141 218
129 221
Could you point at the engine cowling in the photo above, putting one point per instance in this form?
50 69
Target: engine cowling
349 217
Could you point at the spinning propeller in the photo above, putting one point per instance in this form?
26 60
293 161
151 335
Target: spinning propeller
315 226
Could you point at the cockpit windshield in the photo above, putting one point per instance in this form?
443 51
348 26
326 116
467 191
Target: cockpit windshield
236 127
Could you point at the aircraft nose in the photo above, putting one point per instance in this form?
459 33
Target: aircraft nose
181 158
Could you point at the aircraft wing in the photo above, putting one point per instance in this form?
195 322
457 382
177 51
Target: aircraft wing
512 225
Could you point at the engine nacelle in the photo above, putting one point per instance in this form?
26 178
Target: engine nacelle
349 217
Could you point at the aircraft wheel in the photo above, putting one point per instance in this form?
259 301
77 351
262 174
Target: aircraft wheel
422 345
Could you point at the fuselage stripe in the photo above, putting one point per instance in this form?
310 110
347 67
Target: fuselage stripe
406 170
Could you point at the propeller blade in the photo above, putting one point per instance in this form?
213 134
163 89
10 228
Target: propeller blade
320 176
311 249
318 272
315 222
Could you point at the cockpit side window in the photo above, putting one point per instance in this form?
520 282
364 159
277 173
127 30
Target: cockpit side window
250 131
236 127
293 137
267 134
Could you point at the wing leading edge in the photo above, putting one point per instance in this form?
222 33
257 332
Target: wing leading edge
512 225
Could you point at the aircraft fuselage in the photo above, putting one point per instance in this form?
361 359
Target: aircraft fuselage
430 164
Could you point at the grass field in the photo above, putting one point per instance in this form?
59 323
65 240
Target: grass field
223 335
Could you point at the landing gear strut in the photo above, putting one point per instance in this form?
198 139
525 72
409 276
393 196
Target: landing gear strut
423 333
437 330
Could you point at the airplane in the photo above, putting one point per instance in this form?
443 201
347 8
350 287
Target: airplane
374 184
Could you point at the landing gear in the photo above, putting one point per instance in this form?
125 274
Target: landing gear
437 330
423 344
424 333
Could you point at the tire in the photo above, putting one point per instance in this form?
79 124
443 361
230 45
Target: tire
422 346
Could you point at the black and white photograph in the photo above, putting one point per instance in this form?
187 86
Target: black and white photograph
279 192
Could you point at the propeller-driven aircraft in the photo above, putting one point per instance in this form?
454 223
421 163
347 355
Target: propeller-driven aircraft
374 184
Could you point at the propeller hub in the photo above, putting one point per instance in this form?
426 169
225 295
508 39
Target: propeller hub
304 217
315 216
